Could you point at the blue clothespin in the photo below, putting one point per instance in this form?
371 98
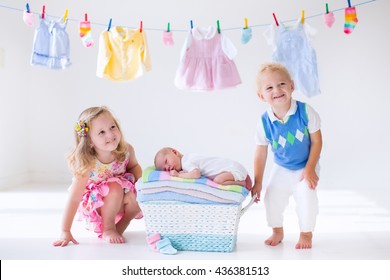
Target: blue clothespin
349 3
192 26
109 25
28 8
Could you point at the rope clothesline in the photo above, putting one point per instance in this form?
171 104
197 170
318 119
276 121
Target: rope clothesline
186 30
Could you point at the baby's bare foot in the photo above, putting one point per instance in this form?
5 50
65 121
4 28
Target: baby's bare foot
112 236
275 238
304 241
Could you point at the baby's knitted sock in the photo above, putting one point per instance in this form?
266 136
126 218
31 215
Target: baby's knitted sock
28 18
246 35
350 20
86 34
165 247
329 19
152 240
167 38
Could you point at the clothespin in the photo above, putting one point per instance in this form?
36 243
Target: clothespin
245 23
140 26
109 25
303 17
327 8
66 15
27 8
349 3
191 24
169 27
276 21
86 17
218 27
43 11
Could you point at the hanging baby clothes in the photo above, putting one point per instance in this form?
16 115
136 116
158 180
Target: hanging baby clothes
291 47
51 44
206 62
123 54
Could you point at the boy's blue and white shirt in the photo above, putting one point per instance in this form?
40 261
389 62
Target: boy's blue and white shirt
289 138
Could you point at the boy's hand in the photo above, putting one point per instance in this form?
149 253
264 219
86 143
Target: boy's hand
256 190
310 177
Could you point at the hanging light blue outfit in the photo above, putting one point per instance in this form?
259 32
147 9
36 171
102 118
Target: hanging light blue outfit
292 48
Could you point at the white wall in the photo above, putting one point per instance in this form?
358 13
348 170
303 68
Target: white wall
40 106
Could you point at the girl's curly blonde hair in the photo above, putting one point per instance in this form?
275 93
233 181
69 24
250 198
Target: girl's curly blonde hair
82 157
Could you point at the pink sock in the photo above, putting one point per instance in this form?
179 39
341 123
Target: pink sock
329 19
152 240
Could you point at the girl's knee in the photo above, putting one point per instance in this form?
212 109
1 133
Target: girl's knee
115 189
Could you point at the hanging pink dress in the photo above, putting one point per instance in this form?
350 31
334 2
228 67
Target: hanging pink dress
207 62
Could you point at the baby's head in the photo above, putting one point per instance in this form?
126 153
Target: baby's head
271 78
168 159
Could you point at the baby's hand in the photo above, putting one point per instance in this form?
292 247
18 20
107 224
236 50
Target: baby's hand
174 173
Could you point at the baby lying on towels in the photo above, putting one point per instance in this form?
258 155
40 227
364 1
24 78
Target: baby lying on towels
221 171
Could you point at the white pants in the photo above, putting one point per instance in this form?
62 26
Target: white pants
282 184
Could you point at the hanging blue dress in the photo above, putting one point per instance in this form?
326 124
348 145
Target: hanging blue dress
292 48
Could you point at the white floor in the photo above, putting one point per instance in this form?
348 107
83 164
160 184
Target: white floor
352 225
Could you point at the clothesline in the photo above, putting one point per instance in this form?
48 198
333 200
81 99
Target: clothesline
186 30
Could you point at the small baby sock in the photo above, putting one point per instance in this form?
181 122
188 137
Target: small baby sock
28 18
152 240
350 20
246 35
329 19
165 247
167 38
86 34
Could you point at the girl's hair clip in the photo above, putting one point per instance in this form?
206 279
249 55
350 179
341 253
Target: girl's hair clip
81 128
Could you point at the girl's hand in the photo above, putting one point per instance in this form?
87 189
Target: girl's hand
66 237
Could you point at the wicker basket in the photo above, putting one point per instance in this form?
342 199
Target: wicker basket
195 227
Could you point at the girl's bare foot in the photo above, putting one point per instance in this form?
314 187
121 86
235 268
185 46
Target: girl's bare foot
275 238
304 241
112 236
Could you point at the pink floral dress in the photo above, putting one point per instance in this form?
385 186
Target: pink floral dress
98 187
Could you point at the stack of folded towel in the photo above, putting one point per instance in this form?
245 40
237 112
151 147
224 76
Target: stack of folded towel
157 185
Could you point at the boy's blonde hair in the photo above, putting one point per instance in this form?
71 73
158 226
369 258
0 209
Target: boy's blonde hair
83 156
273 66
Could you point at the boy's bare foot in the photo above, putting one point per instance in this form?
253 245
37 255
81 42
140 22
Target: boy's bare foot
112 236
304 241
275 238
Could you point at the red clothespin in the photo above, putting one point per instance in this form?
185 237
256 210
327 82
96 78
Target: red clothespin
140 26
86 17
43 11
276 21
